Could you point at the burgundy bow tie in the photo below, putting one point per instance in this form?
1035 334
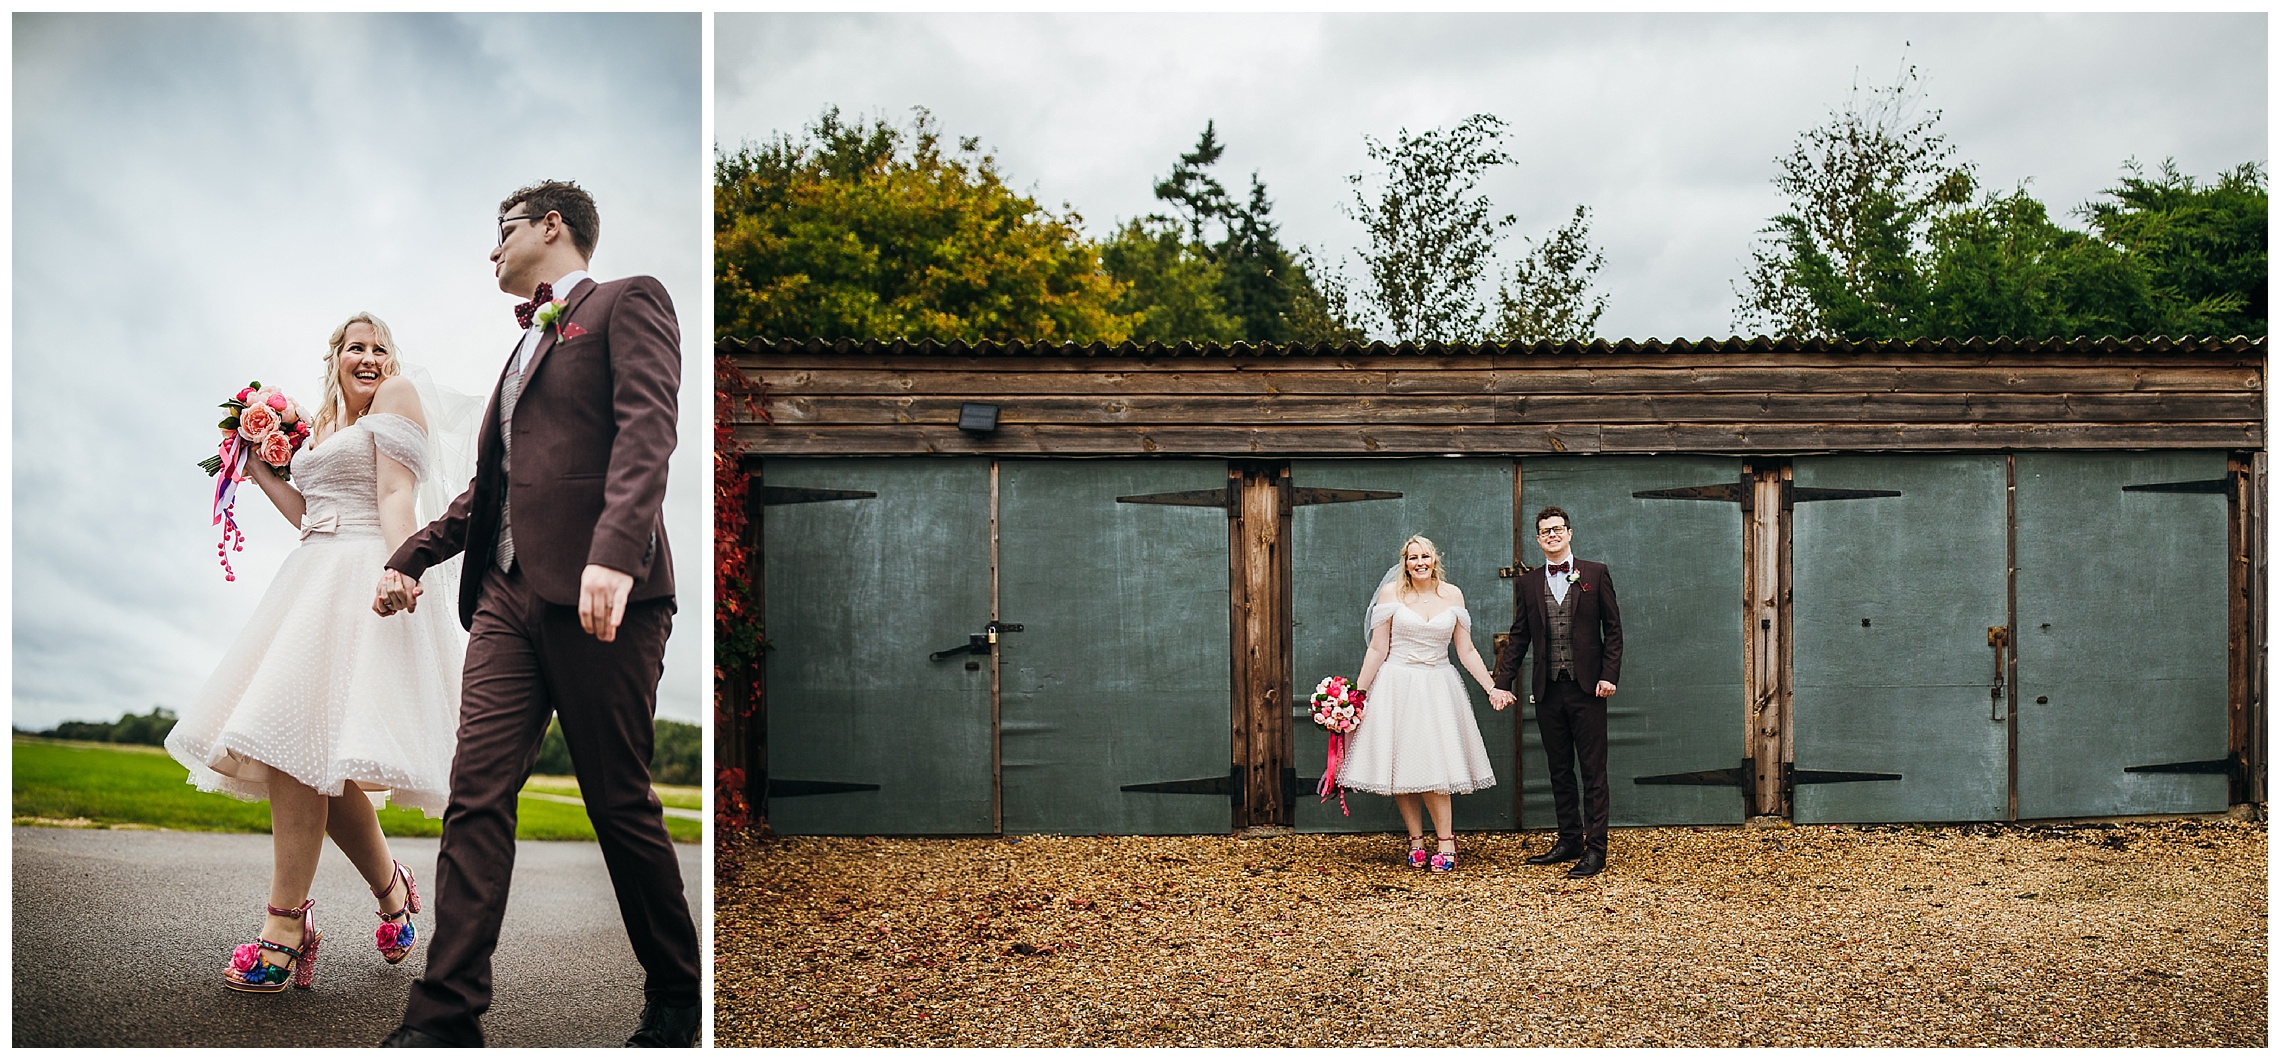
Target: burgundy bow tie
1556 568
525 311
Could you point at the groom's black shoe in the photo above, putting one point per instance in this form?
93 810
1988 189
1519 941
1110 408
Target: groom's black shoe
1592 862
666 1027
413 1038
1564 850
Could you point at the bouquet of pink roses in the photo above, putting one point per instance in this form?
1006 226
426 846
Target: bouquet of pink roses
1338 708
260 423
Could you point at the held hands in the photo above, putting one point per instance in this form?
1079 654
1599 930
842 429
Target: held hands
396 593
1501 699
601 600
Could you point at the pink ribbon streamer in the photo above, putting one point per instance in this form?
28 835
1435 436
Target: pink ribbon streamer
1330 773
226 482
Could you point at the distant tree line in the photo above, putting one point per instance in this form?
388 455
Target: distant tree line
148 728
873 230
674 760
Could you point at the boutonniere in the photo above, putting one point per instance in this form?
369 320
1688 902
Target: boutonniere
550 316
1573 577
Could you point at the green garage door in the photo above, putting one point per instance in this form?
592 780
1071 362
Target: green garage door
866 735
1678 712
2122 633
1115 692
1897 576
1339 551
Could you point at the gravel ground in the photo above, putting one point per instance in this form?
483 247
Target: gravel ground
2142 933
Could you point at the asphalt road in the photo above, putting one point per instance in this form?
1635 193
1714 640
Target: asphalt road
120 938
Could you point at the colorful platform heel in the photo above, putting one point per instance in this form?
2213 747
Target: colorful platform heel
395 937
249 973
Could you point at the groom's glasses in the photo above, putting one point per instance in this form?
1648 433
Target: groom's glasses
505 221
1551 531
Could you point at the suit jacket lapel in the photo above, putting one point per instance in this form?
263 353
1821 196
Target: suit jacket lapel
546 336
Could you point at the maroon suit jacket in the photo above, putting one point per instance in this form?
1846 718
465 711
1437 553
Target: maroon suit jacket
1597 630
594 426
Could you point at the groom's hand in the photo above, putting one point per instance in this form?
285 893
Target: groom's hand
396 593
601 600
1605 689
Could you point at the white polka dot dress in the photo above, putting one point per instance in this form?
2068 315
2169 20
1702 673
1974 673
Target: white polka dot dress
319 686
1418 732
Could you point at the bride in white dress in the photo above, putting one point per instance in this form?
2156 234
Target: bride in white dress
320 702
1418 741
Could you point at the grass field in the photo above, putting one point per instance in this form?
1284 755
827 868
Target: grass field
126 785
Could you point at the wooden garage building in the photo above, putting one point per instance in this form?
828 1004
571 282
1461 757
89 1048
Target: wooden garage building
1015 588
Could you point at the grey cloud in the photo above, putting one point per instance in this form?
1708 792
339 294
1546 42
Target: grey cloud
1666 125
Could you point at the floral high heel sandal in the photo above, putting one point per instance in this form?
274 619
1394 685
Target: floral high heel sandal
1417 855
248 972
1445 861
396 936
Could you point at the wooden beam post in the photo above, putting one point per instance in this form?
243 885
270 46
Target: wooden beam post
1258 557
1765 636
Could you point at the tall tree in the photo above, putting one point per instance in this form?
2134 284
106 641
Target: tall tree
1863 190
1548 297
2204 247
1193 191
1168 287
1259 285
1431 236
2003 268
875 231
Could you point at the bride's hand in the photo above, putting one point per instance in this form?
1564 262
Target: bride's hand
396 593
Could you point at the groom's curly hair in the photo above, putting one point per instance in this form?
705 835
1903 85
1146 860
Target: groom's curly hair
569 200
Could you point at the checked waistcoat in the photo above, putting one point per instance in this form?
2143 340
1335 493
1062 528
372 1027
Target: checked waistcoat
504 556
1559 645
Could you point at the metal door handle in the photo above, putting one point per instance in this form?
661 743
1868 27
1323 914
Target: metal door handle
1998 637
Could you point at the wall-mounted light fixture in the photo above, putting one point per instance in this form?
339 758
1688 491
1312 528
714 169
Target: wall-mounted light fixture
977 417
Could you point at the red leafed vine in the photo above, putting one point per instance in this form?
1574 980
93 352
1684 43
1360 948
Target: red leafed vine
740 636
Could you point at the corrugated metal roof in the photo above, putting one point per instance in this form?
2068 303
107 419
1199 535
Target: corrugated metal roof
2140 345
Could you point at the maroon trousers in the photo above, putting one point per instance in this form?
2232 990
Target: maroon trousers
528 660
1573 724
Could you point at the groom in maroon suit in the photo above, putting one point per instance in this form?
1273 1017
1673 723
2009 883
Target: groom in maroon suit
1565 612
567 596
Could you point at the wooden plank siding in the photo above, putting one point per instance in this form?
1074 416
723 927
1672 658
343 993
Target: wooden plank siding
1676 398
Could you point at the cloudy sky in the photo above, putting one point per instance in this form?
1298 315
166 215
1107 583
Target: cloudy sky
1665 125
199 200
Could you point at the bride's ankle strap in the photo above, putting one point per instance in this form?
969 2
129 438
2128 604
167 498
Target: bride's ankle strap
302 913
395 875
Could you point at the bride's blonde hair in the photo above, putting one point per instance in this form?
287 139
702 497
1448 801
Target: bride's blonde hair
1419 539
335 405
